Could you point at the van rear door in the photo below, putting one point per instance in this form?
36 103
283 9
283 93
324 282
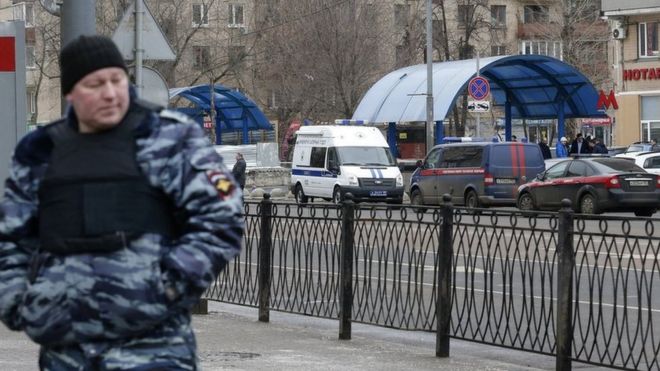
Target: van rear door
510 165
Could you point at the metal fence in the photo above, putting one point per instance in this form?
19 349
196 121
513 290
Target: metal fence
510 285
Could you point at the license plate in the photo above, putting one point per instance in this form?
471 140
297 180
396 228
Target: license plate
638 183
505 181
378 193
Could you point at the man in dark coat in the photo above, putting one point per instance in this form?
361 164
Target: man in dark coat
545 150
579 145
239 170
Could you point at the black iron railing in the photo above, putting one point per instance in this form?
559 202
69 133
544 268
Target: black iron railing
581 288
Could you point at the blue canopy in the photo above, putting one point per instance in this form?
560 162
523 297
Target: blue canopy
528 86
234 111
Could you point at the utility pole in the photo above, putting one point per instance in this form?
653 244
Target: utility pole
429 75
76 18
139 51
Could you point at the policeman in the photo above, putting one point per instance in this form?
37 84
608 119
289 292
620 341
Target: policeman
115 219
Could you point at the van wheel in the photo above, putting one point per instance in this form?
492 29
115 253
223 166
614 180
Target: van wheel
416 200
588 205
300 194
471 199
336 196
526 202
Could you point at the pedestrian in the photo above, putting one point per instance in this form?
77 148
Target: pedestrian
545 150
599 147
514 138
238 171
654 145
561 150
579 146
115 219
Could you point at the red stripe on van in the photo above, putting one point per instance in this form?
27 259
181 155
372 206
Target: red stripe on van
521 158
514 160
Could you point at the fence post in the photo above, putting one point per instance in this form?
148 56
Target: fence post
566 264
265 247
443 291
346 267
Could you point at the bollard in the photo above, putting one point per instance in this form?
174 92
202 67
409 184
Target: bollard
265 248
346 267
445 264
566 264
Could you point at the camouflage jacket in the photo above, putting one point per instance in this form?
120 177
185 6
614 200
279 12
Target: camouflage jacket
86 297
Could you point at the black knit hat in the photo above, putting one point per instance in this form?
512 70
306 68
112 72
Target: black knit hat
84 55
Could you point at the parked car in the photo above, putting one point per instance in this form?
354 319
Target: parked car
593 185
475 174
639 147
649 161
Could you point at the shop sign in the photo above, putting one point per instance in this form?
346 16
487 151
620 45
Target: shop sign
641 74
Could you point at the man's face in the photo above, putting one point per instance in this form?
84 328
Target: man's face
100 99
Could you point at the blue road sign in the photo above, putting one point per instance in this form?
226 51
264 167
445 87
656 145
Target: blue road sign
478 88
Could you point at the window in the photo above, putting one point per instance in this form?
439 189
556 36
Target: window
200 15
401 12
498 15
462 157
236 15
317 158
465 15
201 56
535 14
648 39
30 60
542 47
25 12
401 55
497 50
31 101
650 130
556 171
577 168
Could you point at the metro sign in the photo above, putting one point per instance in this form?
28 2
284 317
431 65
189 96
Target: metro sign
7 54
605 101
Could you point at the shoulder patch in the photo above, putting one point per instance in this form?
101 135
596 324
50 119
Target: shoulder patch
176 116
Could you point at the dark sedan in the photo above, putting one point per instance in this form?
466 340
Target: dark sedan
593 185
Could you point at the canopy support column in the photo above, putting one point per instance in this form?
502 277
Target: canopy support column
439 132
246 133
560 121
507 120
391 139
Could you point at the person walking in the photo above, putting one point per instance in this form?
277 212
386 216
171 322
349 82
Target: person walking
238 171
561 150
115 219
599 147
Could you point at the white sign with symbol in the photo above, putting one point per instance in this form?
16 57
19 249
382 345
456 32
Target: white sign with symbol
153 41
478 106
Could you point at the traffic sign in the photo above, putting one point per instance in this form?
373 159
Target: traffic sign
154 43
478 88
478 106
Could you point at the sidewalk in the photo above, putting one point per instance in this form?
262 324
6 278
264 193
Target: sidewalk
231 338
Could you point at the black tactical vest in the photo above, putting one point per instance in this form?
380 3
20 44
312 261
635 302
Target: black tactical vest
94 198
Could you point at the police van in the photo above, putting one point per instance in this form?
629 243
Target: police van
332 160
476 174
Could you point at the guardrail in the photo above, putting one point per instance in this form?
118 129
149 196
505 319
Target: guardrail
580 288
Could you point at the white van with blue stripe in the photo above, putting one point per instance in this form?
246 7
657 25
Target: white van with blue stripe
330 161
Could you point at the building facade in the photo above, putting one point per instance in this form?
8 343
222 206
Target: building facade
635 67
244 44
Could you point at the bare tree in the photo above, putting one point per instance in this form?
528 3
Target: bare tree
323 55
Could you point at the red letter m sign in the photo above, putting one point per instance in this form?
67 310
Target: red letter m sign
607 100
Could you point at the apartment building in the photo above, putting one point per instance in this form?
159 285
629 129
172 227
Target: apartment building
635 67
233 42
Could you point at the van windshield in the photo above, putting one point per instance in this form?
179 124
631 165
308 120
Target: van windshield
365 156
